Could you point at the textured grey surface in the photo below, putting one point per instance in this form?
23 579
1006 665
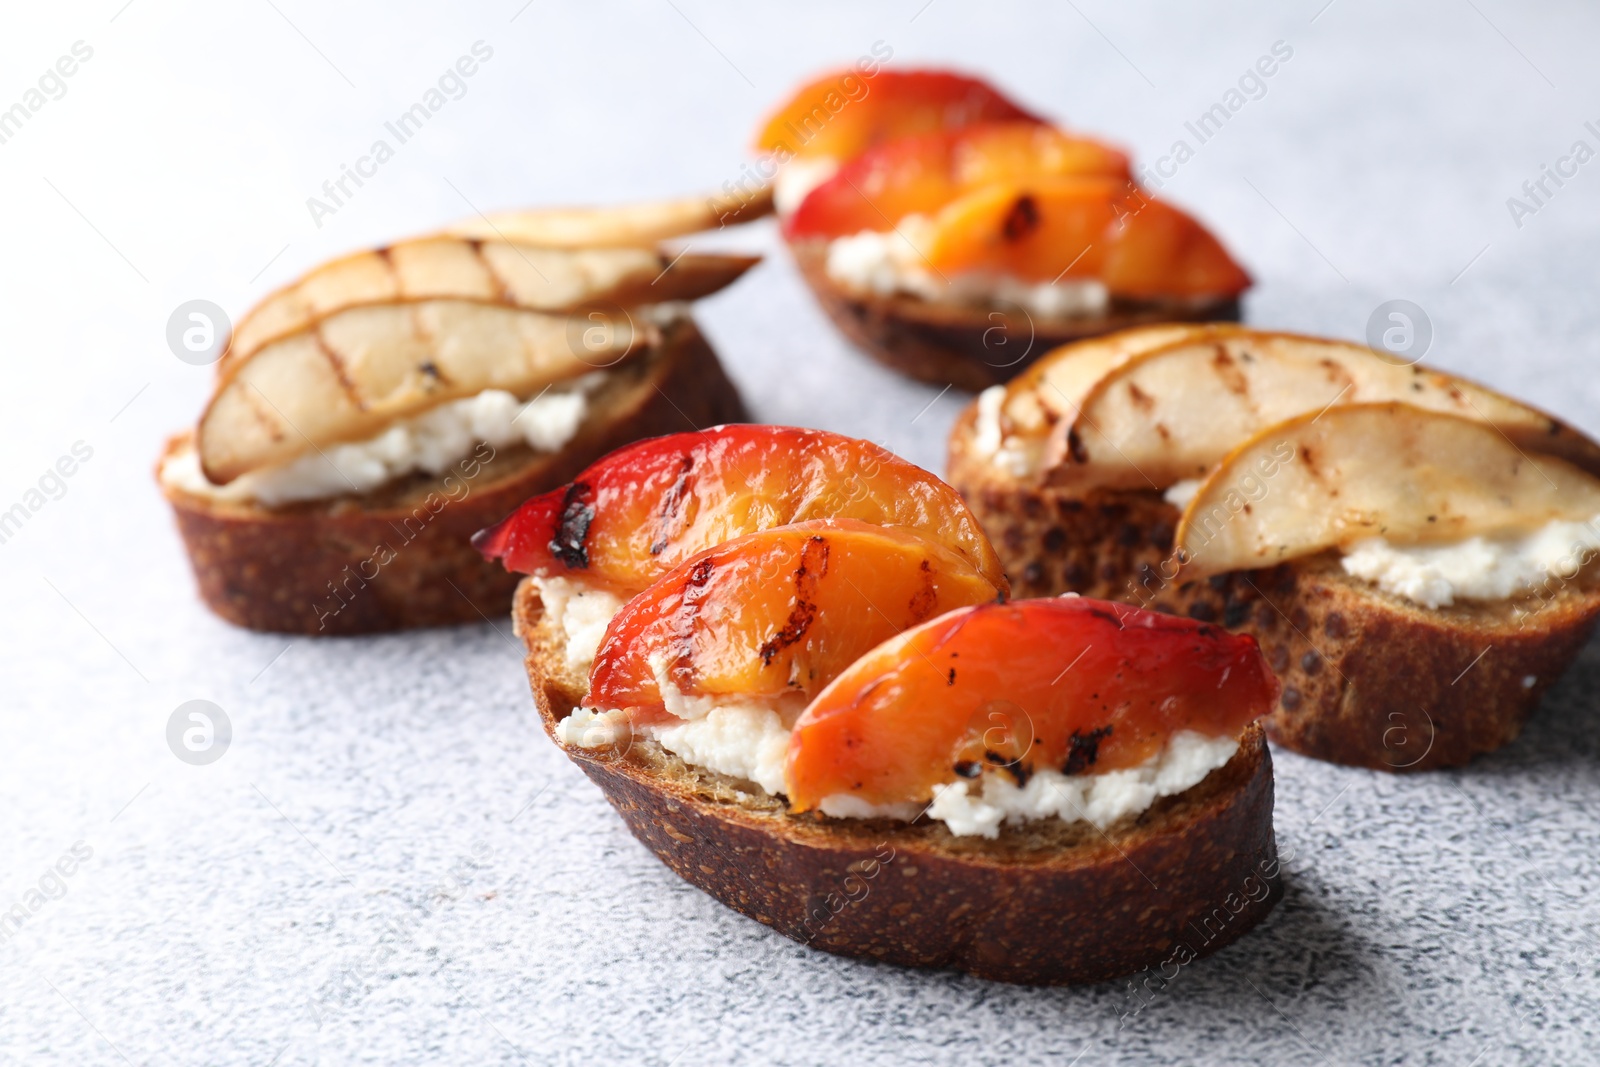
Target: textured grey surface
390 864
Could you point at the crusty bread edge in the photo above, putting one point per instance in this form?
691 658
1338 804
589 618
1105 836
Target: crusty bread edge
1190 875
1369 679
971 348
361 565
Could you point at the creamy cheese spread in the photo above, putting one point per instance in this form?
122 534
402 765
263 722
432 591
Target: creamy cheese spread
1478 568
1179 494
1016 456
582 613
433 441
980 807
893 262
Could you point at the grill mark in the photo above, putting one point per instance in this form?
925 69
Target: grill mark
1083 750
671 505
1233 378
1019 771
1075 446
924 600
386 254
570 543
1021 220
268 419
339 371
695 590
502 291
813 565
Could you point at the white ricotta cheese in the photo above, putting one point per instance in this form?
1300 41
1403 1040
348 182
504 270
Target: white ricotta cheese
581 612
1017 456
590 728
893 262
745 740
987 436
1478 568
433 441
796 179
979 808
1180 493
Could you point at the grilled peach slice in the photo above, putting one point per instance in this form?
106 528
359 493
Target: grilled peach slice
778 612
644 509
920 175
1088 227
842 114
1079 685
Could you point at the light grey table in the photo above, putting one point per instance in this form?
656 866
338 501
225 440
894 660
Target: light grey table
390 863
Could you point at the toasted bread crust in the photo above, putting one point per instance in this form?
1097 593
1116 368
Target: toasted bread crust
1369 679
969 347
401 557
1049 903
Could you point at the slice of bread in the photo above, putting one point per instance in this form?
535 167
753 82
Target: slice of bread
401 556
1369 679
1049 902
966 346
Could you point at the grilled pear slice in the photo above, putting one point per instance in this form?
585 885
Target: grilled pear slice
619 226
499 272
1325 479
1172 413
354 372
1052 389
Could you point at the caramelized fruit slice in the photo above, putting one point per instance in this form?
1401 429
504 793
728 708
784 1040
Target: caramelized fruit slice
780 611
844 113
1078 685
1175 411
646 508
920 175
1324 480
1049 229
1052 390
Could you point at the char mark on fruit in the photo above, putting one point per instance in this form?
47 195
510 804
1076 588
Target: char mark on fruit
1021 220
1108 616
671 519
924 600
1083 749
1075 447
570 544
1020 772
685 618
813 565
